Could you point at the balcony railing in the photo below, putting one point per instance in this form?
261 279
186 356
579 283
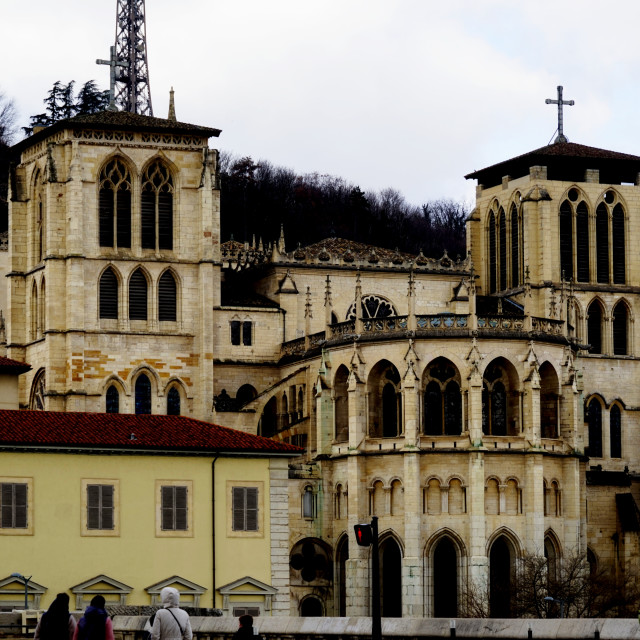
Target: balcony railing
436 323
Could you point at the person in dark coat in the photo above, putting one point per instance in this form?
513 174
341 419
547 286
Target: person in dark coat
95 624
245 630
57 623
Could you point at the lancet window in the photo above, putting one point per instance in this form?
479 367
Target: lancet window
138 296
115 205
504 243
157 208
442 400
167 298
109 294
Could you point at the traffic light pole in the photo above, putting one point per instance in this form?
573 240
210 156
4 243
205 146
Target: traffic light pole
376 623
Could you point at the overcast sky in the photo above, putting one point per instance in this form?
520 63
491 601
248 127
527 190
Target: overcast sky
409 94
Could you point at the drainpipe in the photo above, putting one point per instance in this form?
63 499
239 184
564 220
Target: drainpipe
213 526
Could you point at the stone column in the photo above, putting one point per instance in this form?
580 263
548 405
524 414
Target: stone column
358 569
324 418
533 499
478 561
412 562
531 409
474 413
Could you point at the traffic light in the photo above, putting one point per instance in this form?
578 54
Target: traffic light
364 535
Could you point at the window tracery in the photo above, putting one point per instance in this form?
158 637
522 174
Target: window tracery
115 205
373 306
157 208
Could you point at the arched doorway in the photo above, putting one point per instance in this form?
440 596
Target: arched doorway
342 555
390 579
445 579
311 607
269 420
501 560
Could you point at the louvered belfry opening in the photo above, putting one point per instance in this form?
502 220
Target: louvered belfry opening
515 246
618 245
493 258
114 202
620 317
157 208
167 298
594 327
502 225
602 243
566 240
109 295
138 307
582 243
594 413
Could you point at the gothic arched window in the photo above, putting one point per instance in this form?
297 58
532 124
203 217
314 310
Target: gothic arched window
138 296
566 240
143 394
502 227
115 205
493 258
442 400
594 327
38 392
167 298
109 294
615 431
113 399
620 325
173 402
618 245
602 243
582 243
500 400
594 418
157 208
515 246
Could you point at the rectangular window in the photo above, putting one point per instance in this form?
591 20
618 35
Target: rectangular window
174 508
100 506
14 505
245 508
241 332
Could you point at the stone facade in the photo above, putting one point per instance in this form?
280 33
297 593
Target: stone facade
445 397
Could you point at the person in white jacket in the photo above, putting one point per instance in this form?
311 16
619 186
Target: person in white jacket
171 622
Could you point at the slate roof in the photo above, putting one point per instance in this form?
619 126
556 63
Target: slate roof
118 121
564 161
7 365
130 433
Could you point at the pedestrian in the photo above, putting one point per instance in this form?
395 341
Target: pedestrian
245 630
95 624
57 623
171 622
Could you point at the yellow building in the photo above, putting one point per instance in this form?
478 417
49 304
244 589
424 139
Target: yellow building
124 505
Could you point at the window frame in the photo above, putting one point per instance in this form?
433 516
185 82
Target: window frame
19 531
108 533
250 533
174 533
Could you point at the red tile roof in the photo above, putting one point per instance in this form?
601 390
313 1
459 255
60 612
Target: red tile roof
131 433
7 365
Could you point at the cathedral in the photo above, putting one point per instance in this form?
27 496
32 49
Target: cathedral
482 409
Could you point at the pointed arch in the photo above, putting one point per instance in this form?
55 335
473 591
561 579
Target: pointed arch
516 244
390 575
33 311
138 295
114 388
602 243
445 552
500 399
156 205
108 292
549 400
442 398
615 431
594 420
168 297
268 425
552 554
582 243
144 382
502 245
566 240
245 394
502 552
618 244
385 400
595 320
620 324
341 556
37 398
114 203
492 251
575 319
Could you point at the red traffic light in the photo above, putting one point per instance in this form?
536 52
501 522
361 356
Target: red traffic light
364 534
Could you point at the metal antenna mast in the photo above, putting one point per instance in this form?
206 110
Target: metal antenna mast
132 92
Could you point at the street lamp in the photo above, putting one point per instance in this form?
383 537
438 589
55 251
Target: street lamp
26 587
556 600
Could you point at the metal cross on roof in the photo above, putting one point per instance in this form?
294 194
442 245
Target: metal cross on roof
113 62
560 102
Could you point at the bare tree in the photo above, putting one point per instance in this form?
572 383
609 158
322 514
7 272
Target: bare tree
8 118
